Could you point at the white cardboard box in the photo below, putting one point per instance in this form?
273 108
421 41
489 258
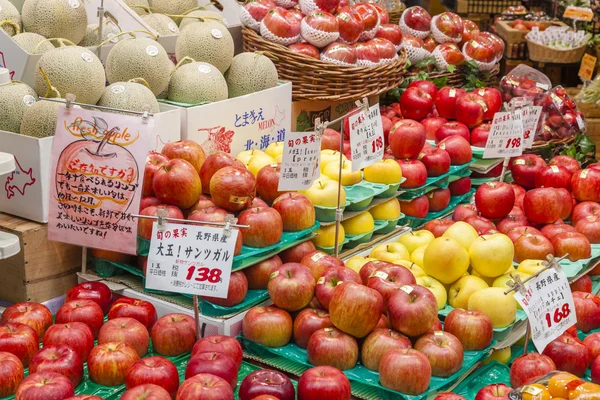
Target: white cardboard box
25 191
242 123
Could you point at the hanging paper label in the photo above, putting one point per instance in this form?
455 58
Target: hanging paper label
588 64
366 138
300 161
549 305
579 13
190 259
531 117
506 136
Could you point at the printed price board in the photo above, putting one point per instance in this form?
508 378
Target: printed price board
366 138
506 136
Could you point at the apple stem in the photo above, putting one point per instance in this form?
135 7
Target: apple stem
105 140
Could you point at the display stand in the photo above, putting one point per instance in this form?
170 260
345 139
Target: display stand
9 243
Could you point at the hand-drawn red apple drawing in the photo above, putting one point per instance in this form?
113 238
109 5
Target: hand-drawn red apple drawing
96 179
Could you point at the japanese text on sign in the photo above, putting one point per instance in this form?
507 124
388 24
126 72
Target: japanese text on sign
366 138
531 116
506 136
190 259
548 303
300 161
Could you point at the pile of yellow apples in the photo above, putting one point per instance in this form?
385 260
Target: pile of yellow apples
461 268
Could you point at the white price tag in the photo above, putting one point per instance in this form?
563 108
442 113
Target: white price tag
366 138
190 259
300 161
506 136
531 117
548 303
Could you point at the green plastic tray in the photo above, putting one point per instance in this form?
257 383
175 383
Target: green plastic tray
327 214
351 241
491 373
362 375
436 182
454 201
387 226
521 316
572 268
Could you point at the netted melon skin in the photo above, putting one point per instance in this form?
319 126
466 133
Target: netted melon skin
8 12
196 83
55 18
129 96
207 41
250 73
202 14
162 24
72 69
28 41
15 98
91 34
39 120
138 10
172 7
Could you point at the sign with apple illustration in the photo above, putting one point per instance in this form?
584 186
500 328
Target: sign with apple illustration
95 178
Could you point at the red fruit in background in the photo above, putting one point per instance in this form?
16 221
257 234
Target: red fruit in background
291 287
444 351
437 161
324 383
576 245
329 280
173 334
587 307
267 182
407 138
206 386
515 233
412 312
342 54
590 228
585 209
257 9
378 343
177 183
76 335
529 367
266 382
367 269
481 224
140 310
332 347
511 221
569 354
445 101
438 227
236 292
498 43
592 342
431 126
583 284
147 391
416 208
524 168
232 188
426 86
149 201
389 278
464 211
269 326
411 41
493 101
470 109
384 17
472 328
203 202
555 176
399 364
370 17
217 364
417 18
481 49
351 24
497 391
296 211
386 49
330 140
58 358
450 53
108 363
20 340
450 24
494 199
458 149
585 185
154 161
187 150
391 32
480 134
568 162
532 247
12 373
266 226
542 206
145 224
306 49
452 128
438 199
126 330
95 291
415 173
45 385
86 311
470 30
153 370
355 309
220 344
35 315
319 28
430 44
318 262
308 322
416 103
460 186
281 24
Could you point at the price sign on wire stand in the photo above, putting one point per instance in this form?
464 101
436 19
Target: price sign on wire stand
300 161
366 138
548 302
190 259
506 136
531 117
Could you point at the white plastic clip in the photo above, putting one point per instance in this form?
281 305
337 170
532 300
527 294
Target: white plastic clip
363 105
69 100
517 284
229 221
146 114
553 262
162 214
320 127
100 12
339 214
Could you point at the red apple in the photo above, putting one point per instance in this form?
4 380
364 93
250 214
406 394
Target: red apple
480 134
464 211
140 310
472 328
495 199
415 103
583 210
154 371
266 226
205 386
444 351
416 208
45 385
318 262
438 227
587 307
236 292
331 139
214 363
515 233
450 24
445 101
332 347
407 138
555 176
355 309
86 311
415 173
187 150
173 334
367 269
11 375
567 201
212 164
267 182
405 370
448 396
460 186
493 101
95 291
554 229
266 382
388 279
232 188
305 48
512 221
210 214
324 382
269 326
204 202
108 363
378 343
126 330
481 224
58 358
391 32
146 202
569 354
590 228
595 373
371 19
146 391
296 210
20 340
291 287
529 367
427 86
258 274
436 160
76 335
496 391
154 161
524 168
308 322
583 284
432 125
571 164
145 224
412 310
220 344
330 279
417 18
458 149
586 185
576 245
177 183
452 128
542 206
592 342
351 25
35 315
532 247
438 199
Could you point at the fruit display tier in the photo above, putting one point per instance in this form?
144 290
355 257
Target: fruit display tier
413 222
317 80
437 182
458 78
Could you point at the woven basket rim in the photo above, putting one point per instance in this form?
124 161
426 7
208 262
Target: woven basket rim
557 50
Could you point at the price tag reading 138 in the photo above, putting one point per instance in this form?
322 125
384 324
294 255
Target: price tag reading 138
506 136
190 259
548 303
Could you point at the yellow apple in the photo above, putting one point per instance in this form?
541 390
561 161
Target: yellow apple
502 279
391 252
445 259
275 149
324 193
436 288
501 308
488 280
501 355
359 224
279 159
387 210
385 171
448 285
413 240
356 263
510 270
530 266
245 155
326 236
412 267
259 160
462 289
418 254
492 255
332 170
328 156
463 233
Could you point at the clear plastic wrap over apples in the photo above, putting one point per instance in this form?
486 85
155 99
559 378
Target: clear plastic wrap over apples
320 28
415 21
367 54
556 382
415 49
340 54
524 81
563 118
447 28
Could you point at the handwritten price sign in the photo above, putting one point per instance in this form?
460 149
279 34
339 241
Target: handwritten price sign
190 259
531 117
506 136
548 303
366 138
300 161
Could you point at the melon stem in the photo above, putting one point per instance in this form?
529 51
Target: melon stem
51 89
11 23
131 33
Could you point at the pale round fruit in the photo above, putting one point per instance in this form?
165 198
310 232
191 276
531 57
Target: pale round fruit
250 73
445 260
15 99
161 23
173 7
39 120
207 41
201 14
29 42
65 19
91 34
129 96
8 12
492 255
197 82
139 6
501 308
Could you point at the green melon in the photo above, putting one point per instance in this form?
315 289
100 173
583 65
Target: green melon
72 69
56 18
39 120
15 98
139 58
207 41
211 15
139 10
129 96
173 7
29 42
91 34
197 82
162 24
8 12
165 93
249 73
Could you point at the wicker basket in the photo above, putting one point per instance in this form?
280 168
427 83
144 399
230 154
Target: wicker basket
396 13
540 53
317 80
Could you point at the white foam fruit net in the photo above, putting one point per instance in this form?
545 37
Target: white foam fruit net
307 6
483 66
388 60
439 36
325 58
317 37
370 34
440 61
367 63
267 34
286 3
407 30
415 54
248 20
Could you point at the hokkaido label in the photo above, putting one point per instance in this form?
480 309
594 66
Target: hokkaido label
506 136
190 259
549 305
96 169
300 161
366 138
